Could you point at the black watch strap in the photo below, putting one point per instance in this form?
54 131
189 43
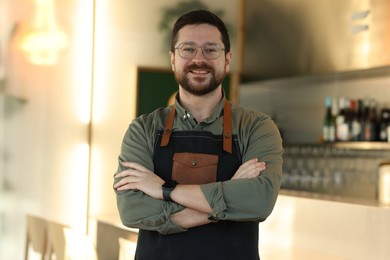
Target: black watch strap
167 188
167 194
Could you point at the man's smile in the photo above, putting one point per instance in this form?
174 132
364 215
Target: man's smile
199 71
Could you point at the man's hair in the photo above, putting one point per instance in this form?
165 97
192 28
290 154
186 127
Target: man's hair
200 17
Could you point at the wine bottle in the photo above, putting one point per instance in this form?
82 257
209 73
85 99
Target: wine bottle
341 124
370 121
335 112
355 126
360 116
384 123
348 118
374 121
328 128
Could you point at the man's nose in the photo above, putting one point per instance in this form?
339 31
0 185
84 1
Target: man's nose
199 55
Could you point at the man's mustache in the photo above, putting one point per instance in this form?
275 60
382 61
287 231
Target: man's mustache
202 66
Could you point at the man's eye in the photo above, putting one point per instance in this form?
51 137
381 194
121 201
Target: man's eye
188 49
210 49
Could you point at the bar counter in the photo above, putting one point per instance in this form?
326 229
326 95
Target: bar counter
307 226
313 226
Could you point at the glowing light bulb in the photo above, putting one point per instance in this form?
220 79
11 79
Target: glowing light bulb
44 41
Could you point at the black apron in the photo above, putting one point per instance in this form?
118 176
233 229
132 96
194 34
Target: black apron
220 240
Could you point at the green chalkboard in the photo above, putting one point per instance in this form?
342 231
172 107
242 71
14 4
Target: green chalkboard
156 86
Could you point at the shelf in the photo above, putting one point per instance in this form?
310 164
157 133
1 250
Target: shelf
332 197
352 145
364 145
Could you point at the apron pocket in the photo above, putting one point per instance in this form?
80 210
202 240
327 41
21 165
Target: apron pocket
194 168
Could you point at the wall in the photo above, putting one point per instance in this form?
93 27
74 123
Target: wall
46 112
62 125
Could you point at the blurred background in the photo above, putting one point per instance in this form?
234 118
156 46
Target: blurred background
68 90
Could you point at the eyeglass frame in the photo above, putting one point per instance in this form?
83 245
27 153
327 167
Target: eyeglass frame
221 49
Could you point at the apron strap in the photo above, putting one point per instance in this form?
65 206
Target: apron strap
227 128
168 128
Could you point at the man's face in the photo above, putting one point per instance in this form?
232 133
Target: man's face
199 75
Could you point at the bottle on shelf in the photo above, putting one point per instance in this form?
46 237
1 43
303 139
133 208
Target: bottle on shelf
374 121
370 121
356 120
342 129
366 119
384 124
329 127
335 112
361 119
348 117
352 120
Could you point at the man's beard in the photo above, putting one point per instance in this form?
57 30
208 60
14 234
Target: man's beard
206 87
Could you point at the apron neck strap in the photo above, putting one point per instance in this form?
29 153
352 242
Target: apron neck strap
168 127
227 128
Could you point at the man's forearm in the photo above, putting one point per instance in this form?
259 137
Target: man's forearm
189 218
191 196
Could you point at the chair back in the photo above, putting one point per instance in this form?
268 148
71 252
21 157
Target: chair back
78 246
37 235
57 239
126 249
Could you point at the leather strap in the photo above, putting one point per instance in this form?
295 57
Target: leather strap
168 128
227 128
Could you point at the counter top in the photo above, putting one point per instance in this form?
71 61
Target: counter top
330 229
278 253
334 198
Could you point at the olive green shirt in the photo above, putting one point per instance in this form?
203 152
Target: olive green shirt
250 199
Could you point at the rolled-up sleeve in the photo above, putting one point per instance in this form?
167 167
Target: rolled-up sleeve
250 199
136 209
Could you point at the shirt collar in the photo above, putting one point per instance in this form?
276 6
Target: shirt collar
183 114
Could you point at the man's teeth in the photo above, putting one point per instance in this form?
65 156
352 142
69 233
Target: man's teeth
200 71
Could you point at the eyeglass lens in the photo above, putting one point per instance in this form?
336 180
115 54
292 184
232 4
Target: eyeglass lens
209 50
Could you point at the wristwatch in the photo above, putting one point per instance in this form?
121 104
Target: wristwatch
167 187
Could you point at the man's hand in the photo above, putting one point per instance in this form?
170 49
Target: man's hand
249 169
140 178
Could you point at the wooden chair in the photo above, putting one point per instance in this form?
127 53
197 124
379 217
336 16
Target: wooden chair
107 240
50 238
78 246
57 240
126 249
37 236
67 243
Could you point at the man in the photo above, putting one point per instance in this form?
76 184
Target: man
192 176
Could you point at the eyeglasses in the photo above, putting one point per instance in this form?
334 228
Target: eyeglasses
189 50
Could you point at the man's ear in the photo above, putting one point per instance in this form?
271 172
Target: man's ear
172 60
228 61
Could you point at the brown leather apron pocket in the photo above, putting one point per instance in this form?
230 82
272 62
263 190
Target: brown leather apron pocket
194 168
